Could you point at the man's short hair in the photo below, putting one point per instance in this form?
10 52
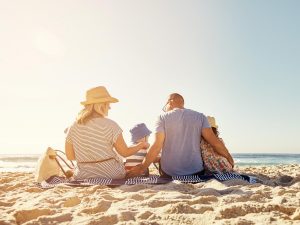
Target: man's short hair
177 98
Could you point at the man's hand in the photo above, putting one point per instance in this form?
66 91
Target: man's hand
230 160
157 160
150 157
135 171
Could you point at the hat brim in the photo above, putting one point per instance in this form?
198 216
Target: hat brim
135 139
100 100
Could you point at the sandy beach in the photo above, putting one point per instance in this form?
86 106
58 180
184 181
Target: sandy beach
275 201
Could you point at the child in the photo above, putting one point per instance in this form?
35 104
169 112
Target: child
138 133
214 162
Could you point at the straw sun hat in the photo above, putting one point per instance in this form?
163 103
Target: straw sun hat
98 95
212 121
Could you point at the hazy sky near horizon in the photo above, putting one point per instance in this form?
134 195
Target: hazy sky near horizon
235 60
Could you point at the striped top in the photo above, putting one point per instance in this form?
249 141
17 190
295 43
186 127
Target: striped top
136 159
92 142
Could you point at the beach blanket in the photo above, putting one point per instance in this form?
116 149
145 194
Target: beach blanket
152 179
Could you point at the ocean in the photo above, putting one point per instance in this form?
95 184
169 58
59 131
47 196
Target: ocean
27 163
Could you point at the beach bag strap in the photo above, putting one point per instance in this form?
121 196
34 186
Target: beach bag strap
66 173
62 169
59 151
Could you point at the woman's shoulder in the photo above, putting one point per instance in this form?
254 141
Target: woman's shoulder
74 124
105 121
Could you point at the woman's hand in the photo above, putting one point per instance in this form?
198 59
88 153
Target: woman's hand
123 150
146 145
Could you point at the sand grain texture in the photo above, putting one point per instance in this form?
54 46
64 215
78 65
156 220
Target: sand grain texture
276 200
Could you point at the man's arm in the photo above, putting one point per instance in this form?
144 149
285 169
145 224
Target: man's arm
150 157
218 146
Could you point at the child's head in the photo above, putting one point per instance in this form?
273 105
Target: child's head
139 133
212 123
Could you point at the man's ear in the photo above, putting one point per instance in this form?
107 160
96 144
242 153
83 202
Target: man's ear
172 104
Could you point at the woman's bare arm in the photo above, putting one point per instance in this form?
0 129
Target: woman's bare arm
126 151
69 151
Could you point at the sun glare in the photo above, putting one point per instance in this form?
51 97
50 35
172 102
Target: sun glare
49 43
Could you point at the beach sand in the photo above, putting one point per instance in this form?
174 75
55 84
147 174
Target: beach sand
276 201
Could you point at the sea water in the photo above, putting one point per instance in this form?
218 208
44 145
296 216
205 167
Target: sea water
250 159
27 163
18 163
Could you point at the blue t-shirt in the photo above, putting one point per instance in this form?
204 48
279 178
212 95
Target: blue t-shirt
181 149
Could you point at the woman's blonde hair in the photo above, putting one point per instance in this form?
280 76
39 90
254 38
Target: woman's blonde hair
88 111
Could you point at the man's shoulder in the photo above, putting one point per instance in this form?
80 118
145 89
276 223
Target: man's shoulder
180 111
193 112
177 112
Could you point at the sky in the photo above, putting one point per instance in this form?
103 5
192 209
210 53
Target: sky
235 60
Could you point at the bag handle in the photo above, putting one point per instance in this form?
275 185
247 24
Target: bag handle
59 151
68 174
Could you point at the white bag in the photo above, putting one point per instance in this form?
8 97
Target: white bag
47 166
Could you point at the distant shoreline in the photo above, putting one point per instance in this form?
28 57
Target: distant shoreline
27 162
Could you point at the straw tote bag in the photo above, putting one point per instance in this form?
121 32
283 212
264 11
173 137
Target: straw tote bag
48 165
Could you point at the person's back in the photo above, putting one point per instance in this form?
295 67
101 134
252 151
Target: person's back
93 147
213 162
181 149
178 135
96 142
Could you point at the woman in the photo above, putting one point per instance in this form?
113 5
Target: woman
91 140
213 162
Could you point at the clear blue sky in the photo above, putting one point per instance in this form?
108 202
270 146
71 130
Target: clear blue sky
235 60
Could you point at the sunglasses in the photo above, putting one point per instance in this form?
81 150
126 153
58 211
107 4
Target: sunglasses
165 107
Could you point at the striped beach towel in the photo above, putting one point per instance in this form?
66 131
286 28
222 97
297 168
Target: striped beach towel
153 179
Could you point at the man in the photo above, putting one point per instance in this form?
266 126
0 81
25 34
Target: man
178 135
